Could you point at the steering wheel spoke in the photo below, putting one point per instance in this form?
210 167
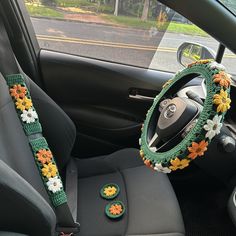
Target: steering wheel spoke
154 141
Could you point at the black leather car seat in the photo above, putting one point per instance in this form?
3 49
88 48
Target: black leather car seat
152 207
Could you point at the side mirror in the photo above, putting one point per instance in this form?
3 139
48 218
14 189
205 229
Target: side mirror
191 52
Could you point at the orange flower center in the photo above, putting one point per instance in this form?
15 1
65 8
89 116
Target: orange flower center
224 100
18 91
198 150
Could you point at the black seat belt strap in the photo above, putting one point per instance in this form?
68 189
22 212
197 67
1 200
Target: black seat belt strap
72 187
29 119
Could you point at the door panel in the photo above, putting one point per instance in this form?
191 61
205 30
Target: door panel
106 101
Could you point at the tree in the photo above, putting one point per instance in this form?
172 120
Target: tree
116 7
144 16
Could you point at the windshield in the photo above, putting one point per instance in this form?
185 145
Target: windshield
230 4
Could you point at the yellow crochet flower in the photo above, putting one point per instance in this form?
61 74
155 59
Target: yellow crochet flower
167 83
204 61
49 170
222 101
24 103
110 191
141 153
179 164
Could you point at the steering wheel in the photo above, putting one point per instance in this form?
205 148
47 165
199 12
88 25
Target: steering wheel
177 130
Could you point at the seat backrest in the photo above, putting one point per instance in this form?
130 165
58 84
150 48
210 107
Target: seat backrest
23 198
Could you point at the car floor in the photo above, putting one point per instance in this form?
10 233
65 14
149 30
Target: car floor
203 203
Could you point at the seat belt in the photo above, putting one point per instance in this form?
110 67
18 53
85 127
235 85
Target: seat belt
72 187
66 225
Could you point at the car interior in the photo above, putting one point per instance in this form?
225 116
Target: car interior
91 120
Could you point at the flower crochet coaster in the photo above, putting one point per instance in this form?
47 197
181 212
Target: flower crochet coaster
115 209
110 191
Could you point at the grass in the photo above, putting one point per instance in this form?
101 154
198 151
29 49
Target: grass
39 10
129 21
186 29
173 27
74 3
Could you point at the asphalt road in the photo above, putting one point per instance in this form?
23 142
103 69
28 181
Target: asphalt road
122 45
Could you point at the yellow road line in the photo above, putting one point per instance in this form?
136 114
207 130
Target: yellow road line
230 55
92 41
112 44
98 44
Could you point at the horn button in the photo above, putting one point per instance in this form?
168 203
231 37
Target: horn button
176 114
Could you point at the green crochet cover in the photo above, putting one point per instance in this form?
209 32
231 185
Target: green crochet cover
195 143
30 123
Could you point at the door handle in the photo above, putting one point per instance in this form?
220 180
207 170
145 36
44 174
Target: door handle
141 97
142 94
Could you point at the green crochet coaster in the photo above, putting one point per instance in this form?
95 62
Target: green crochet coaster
115 209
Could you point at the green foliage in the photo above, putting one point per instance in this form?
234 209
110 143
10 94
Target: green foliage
185 29
106 9
43 11
131 8
48 2
129 21
74 3
126 7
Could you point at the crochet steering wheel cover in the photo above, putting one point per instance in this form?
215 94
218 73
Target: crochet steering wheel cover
217 86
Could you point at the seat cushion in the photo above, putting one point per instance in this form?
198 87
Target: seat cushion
151 204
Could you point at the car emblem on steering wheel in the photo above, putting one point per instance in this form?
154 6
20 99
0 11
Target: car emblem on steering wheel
170 111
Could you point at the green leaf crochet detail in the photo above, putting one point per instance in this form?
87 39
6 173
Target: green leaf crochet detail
39 143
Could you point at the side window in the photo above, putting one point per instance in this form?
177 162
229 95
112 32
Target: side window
142 33
229 61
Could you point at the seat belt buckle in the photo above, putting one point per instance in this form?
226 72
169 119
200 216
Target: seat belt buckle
68 231
63 234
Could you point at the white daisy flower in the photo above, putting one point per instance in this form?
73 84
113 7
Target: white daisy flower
29 116
140 142
54 184
215 65
213 126
160 168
